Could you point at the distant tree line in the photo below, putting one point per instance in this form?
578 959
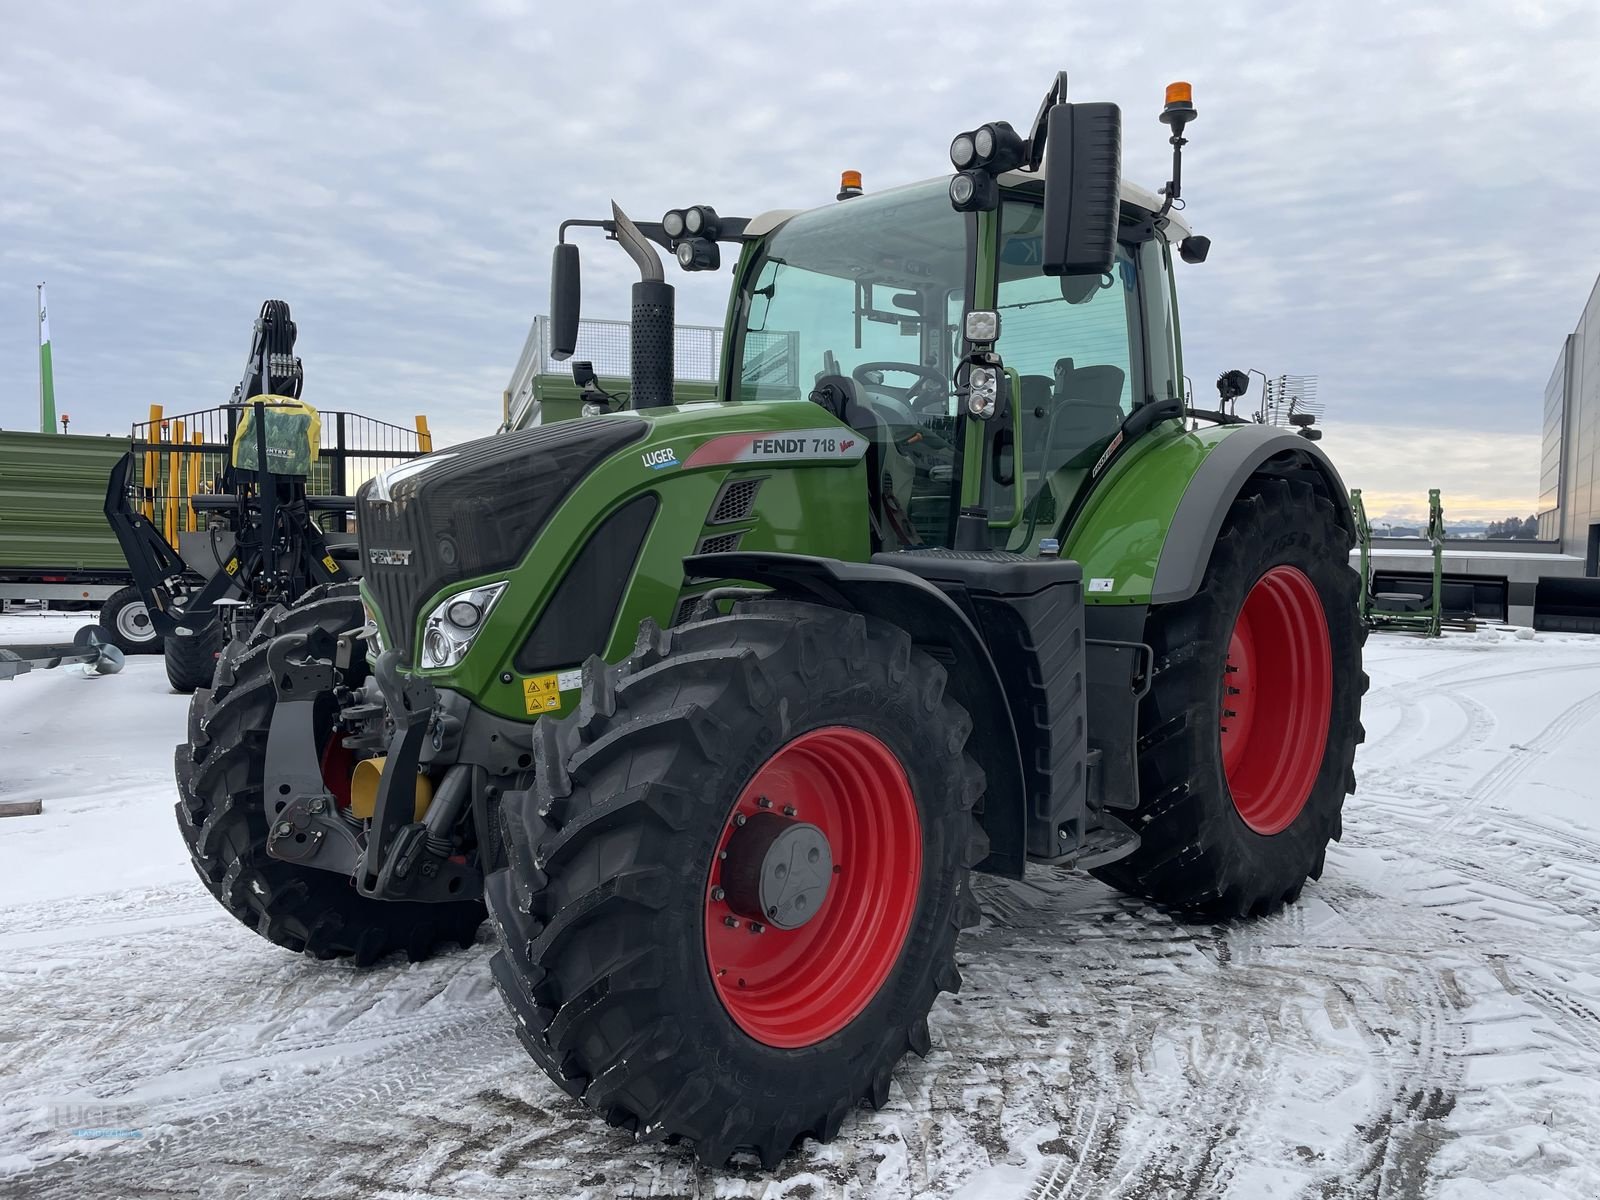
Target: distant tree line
1517 528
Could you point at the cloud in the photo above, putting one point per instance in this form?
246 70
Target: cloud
1480 476
1396 193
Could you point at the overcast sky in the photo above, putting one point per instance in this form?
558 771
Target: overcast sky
1399 195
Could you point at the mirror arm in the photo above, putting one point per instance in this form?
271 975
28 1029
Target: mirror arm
1174 188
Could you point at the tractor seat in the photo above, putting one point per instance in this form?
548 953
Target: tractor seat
1087 414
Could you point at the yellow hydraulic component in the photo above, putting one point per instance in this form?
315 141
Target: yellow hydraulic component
364 789
194 485
151 458
173 518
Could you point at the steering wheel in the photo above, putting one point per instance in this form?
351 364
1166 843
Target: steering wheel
930 394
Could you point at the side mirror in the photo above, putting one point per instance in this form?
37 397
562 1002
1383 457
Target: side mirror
1082 189
566 300
583 373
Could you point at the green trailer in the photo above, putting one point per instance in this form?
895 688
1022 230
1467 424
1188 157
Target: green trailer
55 544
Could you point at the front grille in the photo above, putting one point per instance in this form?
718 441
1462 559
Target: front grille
473 509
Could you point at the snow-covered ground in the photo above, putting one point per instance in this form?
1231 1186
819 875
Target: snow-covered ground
1426 1022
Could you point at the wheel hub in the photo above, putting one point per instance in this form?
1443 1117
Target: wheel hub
777 870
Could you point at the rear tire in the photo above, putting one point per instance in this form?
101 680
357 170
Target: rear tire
126 619
613 921
223 822
1233 822
191 658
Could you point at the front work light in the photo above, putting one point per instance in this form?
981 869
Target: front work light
698 254
962 152
673 224
998 147
700 221
983 326
974 191
452 626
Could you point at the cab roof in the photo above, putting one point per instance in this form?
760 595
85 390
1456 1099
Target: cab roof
1133 196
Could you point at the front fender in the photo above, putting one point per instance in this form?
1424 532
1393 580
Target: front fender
1146 534
934 622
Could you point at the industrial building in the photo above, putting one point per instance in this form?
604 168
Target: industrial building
1532 583
1569 475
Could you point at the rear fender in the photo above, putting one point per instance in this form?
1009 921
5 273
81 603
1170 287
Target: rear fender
937 626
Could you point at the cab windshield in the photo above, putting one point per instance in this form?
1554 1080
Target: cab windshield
872 289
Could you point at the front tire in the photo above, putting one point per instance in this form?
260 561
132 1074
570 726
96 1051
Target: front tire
1247 738
223 821
645 976
191 656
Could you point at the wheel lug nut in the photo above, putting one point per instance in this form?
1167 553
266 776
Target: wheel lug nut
717 893
764 802
721 854
284 829
789 810
757 927
738 818
731 922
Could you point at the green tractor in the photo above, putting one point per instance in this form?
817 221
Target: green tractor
714 708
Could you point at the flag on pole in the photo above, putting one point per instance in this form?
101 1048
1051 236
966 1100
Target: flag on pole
47 382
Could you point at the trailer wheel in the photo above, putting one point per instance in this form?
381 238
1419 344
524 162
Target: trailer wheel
736 876
222 820
126 618
191 656
1247 738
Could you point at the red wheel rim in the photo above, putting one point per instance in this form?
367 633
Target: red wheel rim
1277 696
796 987
337 763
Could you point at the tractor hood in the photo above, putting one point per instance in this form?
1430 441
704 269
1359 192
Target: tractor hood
472 509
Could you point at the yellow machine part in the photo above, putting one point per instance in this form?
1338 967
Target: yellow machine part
364 789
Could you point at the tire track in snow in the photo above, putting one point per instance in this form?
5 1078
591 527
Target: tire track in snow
1499 779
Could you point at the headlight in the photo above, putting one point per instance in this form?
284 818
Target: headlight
983 392
372 630
449 631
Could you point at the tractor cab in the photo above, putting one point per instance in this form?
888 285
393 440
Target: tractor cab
861 307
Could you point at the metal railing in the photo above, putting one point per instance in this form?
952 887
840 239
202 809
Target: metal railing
187 454
697 358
